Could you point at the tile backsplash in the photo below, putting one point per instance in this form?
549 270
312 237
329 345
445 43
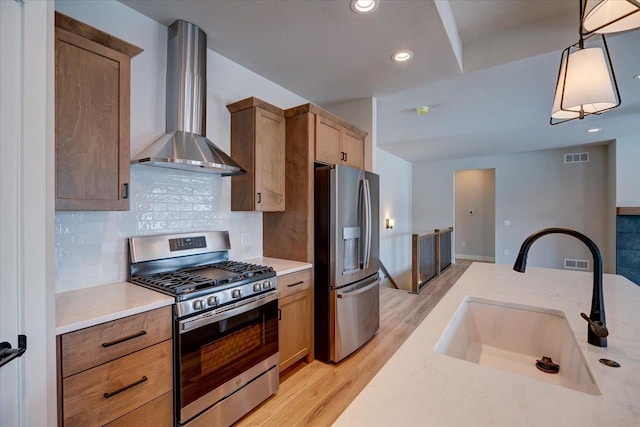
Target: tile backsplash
91 247
628 247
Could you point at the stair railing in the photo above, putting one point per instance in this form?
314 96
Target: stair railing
431 255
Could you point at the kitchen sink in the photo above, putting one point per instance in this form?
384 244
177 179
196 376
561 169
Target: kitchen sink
512 337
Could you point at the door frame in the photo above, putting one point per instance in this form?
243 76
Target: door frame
456 227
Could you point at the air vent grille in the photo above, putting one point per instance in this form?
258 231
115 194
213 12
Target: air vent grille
576 264
576 158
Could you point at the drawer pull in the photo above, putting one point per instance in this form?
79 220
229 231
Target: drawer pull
127 387
119 340
295 284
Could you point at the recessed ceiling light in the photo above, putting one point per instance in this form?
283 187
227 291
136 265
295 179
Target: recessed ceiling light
593 130
364 6
637 76
402 56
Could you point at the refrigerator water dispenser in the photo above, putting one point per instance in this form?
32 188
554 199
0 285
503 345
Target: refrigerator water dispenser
351 242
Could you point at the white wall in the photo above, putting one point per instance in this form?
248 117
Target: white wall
627 152
91 246
396 182
475 214
534 190
362 113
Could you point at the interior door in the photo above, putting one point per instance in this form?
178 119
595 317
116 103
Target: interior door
27 300
10 374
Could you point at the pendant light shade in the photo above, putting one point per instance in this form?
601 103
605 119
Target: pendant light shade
610 16
586 83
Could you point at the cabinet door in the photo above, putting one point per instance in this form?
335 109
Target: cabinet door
295 328
92 125
269 161
353 149
327 141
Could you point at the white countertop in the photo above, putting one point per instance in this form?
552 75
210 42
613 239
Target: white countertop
281 266
419 387
86 307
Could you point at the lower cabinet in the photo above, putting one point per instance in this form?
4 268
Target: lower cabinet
157 413
295 328
116 389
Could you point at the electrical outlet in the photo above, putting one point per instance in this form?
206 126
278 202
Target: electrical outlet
463 244
507 223
245 239
506 252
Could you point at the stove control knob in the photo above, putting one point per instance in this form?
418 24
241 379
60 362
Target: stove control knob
212 301
198 304
266 285
236 293
257 287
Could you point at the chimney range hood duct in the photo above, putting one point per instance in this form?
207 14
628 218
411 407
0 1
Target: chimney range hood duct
184 146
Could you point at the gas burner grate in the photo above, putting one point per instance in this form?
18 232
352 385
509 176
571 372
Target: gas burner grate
177 282
248 270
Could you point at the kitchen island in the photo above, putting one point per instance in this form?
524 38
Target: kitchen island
421 387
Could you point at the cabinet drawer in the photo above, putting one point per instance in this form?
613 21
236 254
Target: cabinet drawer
109 391
157 413
86 348
294 282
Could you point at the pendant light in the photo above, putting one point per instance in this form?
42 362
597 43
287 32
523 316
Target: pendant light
610 16
586 82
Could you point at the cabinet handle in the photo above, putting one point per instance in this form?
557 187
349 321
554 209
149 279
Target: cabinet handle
120 340
259 197
295 284
345 156
126 190
279 314
127 387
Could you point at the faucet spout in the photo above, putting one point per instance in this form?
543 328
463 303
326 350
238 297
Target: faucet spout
597 331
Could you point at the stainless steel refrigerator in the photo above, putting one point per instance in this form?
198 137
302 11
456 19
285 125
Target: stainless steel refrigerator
346 282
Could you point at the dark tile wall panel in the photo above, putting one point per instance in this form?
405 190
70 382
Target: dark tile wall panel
628 247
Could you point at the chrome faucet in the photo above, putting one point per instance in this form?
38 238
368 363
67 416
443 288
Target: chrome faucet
597 332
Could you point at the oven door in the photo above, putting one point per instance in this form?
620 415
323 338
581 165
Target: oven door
218 353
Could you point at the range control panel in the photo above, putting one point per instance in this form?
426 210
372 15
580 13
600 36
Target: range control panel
184 243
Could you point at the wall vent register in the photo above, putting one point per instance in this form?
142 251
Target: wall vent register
576 264
576 158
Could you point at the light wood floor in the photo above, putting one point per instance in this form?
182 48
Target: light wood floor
315 394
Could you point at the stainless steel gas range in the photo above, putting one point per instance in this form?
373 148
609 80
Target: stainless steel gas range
225 328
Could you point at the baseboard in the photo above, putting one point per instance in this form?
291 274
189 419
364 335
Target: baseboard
476 258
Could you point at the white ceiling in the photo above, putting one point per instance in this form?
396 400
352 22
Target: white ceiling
498 102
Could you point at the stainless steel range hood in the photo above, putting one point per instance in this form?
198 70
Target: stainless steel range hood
184 146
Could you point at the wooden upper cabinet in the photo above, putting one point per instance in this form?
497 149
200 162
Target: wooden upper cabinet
328 141
336 141
92 85
258 144
353 149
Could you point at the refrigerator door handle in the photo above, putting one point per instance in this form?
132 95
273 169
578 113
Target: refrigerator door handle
362 203
373 284
367 227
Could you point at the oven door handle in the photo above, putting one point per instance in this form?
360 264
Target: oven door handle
216 316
